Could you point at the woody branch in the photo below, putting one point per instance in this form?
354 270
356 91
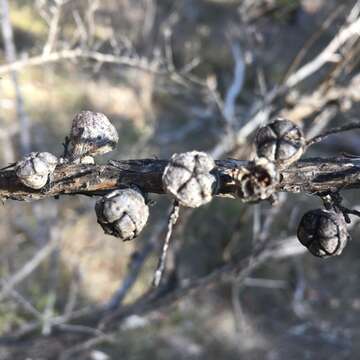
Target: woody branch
313 175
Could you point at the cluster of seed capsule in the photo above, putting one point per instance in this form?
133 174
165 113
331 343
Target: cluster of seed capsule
191 178
91 134
322 231
122 213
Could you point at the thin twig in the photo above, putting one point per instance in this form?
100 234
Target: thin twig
54 27
265 283
322 120
25 304
10 53
351 126
69 353
78 53
311 41
173 217
329 54
28 268
241 269
236 86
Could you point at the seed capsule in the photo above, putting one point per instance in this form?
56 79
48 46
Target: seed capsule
122 213
35 169
257 181
91 134
323 232
281 142
188 178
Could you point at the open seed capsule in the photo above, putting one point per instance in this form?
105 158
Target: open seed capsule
91 134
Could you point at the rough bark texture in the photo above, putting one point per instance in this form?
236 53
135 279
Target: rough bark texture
310 175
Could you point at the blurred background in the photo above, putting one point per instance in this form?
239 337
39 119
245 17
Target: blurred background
173 76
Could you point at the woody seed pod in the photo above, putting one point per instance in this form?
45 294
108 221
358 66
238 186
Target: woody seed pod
91 134
256 181
35 169
323 232
122 213
187 176
281 142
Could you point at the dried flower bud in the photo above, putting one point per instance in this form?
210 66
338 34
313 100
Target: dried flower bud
122 213
323 232
188 178
91 134
281 142
35 169
257 181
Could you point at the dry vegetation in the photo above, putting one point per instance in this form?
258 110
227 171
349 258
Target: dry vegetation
175 76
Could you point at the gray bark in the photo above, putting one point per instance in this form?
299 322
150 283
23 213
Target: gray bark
315 175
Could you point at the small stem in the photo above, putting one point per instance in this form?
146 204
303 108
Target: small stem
66 145
337 130
173 217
